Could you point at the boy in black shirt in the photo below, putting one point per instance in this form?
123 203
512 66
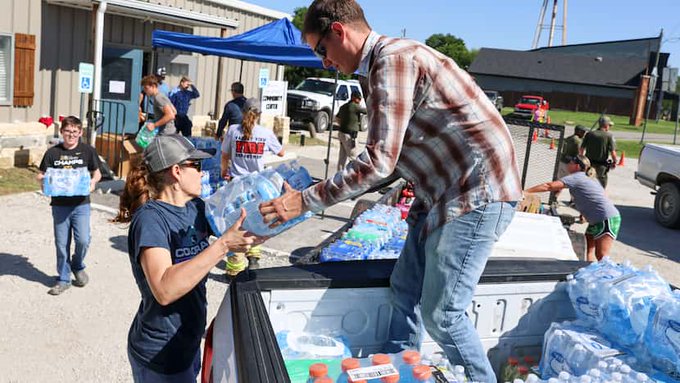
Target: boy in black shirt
71 214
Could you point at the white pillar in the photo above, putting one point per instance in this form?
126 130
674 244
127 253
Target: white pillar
99 50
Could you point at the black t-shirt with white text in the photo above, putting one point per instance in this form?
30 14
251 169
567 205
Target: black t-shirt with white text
81 156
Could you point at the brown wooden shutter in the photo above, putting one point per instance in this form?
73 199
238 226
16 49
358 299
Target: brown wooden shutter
24 67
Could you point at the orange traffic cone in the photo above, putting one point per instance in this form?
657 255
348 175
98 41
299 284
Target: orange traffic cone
622 160
552 144
534 138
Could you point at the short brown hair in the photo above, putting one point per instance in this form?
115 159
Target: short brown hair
150 80
322 13
71 121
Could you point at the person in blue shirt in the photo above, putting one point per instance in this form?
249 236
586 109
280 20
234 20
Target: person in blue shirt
162 85
232 113
171 256
181 97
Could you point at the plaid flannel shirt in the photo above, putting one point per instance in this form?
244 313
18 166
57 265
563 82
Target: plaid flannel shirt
432 124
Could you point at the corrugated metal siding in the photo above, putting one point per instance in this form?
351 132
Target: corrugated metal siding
22 16
64 39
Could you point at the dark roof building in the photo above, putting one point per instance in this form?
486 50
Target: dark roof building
592 77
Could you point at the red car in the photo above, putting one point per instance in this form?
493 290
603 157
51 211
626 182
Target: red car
527 106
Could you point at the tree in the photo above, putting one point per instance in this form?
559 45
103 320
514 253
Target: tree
453 47
294 75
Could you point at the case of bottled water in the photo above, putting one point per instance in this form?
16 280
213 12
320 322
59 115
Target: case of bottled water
223 207
662 336
66 182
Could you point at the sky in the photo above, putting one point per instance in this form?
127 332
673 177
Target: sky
509 24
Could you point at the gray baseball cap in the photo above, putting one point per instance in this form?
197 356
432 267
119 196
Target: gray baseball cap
165 151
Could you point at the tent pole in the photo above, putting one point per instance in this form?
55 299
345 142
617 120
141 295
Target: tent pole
218 88
330 131
240 73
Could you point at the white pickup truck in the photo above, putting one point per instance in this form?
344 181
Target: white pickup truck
659 169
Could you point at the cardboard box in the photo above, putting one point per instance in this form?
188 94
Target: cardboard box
131 154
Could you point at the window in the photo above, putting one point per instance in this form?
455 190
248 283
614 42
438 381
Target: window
6 63
343 94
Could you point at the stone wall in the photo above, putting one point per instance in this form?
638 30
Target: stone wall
23 144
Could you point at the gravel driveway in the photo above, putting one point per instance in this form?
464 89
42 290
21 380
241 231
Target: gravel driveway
81 335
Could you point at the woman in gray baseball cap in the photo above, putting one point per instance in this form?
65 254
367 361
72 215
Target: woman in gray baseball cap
171 256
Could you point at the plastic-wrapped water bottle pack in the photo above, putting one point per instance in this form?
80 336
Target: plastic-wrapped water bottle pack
66 182
378 233
625 314
223 207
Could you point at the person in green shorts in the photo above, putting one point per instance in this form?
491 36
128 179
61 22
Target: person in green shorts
598 145
604 219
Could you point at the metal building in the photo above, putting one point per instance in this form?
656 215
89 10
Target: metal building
42 43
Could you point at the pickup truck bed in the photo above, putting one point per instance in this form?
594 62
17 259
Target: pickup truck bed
515 302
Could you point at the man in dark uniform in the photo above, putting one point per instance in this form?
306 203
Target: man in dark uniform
349 118
570 149
598 145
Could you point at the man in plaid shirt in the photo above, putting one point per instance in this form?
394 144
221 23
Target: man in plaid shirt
430 124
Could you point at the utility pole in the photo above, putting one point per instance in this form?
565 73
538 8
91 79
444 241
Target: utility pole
539 25
652 86
403 33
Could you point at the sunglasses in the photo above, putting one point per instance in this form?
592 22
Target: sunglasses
320 50
192 164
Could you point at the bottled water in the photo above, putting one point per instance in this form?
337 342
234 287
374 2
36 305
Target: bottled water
420 374
302 345
317 372
629 300
662 336
295 175
409 359
378 233
145 136
248 192
66 182
346 365
586 287
206 190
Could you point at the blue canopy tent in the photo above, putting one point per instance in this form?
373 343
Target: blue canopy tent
278 42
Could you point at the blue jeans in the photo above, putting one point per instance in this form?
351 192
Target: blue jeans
143 374
67 220
434 281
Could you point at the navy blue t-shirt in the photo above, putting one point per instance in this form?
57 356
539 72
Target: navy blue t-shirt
167 338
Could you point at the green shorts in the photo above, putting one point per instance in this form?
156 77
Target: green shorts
607 227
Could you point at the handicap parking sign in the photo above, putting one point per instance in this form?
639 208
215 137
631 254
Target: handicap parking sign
264 77
85 77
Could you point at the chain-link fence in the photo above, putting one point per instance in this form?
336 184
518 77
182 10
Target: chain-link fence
537 148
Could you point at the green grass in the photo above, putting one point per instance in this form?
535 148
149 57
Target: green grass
587 119
632 148
18 180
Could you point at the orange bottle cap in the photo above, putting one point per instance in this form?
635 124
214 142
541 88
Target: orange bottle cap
422 372
411 357
318 370
381 359
390 379
350 364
